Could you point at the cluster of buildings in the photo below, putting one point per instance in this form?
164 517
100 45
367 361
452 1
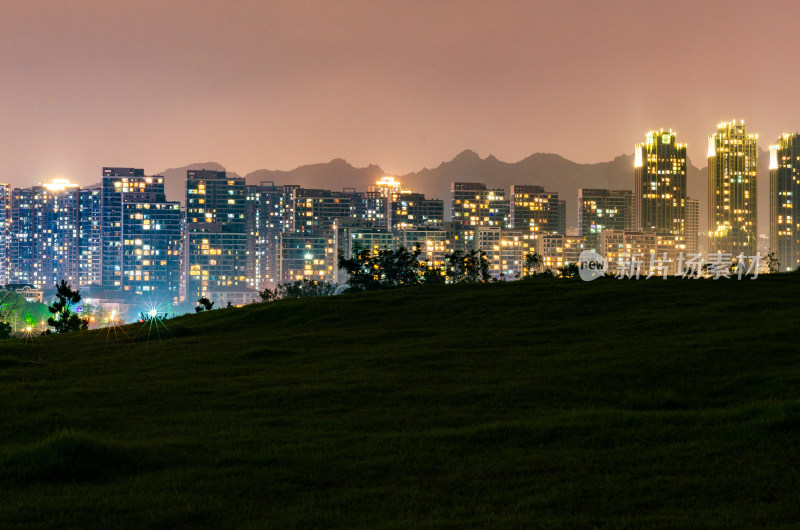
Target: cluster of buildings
122 239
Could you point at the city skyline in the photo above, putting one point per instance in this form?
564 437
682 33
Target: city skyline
398 85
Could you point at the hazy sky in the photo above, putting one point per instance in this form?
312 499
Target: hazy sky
406 84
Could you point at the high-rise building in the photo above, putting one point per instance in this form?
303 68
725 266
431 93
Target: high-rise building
506 250
317 210
627 251
692 226
551 249
151 247
5 218
784 201
277 213
660 183
89 245
573 246
474 205
140 235
57 233
433 244
42 244
361 234
20 247
732 168
386 185
117 183
408 209
603 209
215 239
371 206
308 257
536 210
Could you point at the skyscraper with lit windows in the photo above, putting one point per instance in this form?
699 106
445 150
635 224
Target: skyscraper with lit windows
20 247
151 248
732 178
42 244
5 216
602 209
536 210
215 244
140 234
474 205
784 194
89 246
692 226
660 183
117 183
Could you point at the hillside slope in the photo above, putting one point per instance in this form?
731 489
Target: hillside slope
549 403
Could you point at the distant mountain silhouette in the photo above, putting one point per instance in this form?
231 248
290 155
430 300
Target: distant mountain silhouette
335 175
552 171
175 179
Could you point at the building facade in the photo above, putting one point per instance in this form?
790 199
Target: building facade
408 209
151 248
784 210
89 259
603 209
117 183
536 210
692 235
732 178
660 183
506 249
215 238
5 221
308 257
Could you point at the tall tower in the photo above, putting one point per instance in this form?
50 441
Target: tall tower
474 205
536 210
784 192
215 247
43 235
692 225
602 209
116 182
89 270
660 183
139 234
5 218
732 163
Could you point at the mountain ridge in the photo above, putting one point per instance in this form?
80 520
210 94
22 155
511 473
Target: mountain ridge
551 170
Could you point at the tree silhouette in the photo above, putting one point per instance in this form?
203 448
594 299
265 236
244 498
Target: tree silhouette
5 330
771 260
569 270
385 269
533 264
63 319
467 267
304 288
204 304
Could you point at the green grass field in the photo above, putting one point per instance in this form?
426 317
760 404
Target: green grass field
549 403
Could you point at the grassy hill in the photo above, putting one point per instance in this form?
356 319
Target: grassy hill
552 403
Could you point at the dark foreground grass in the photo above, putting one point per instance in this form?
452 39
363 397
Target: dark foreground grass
553 404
